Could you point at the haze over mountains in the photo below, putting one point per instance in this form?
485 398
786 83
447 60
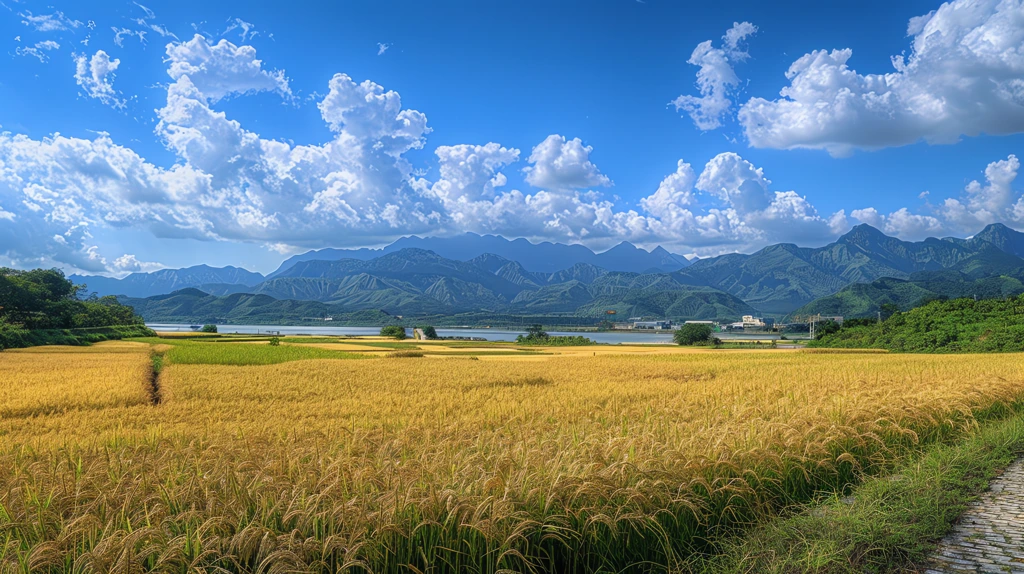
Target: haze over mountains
465 275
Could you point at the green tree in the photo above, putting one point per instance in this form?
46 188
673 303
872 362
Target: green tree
695 334
395 331
888 310
429 332
45 299
536 332
209 329
826 328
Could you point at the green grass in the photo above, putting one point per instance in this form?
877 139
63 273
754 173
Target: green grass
742 345
381 344
890 524
197 352
242 354
508 353
555 341
476 344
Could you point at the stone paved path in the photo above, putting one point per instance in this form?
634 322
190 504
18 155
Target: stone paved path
990 536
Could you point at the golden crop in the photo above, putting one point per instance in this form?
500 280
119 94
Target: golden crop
34 383
558 463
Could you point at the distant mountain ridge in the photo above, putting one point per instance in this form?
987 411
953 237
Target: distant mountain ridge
782 277
194 306
414 281
775 280
168 280
991 274
542 257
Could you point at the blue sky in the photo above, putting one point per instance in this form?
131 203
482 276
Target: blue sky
151 134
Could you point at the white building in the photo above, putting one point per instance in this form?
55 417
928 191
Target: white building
652 325
752 322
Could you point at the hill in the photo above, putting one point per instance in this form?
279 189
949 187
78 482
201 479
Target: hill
992 274
952 326
782 278
194 306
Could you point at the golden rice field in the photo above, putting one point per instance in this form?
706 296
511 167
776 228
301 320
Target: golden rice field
599 462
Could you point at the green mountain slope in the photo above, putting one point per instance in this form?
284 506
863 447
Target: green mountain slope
852 276
687 304
991 274
194 306
558 298
781 278
632 295
774 280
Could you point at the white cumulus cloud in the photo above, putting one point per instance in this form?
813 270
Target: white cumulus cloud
716 79
366 111
770 215
986 202
559 163
994 201
129 263
221 69
471 172
964 77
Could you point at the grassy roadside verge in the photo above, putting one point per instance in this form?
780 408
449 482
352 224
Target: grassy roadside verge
890 524
21 338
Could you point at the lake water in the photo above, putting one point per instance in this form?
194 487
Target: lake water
613 338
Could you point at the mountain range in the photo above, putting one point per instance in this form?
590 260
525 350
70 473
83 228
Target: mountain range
168 280
991 274
194 306
542 257
468 277
783 277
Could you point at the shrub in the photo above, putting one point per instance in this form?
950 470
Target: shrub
275 341
208 329
394 331
405 354
14 338
556 341
429 332
695 334
826 328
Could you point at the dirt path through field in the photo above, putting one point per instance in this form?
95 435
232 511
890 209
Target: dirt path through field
990 536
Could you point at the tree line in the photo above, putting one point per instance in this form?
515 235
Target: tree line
46 299
940 326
